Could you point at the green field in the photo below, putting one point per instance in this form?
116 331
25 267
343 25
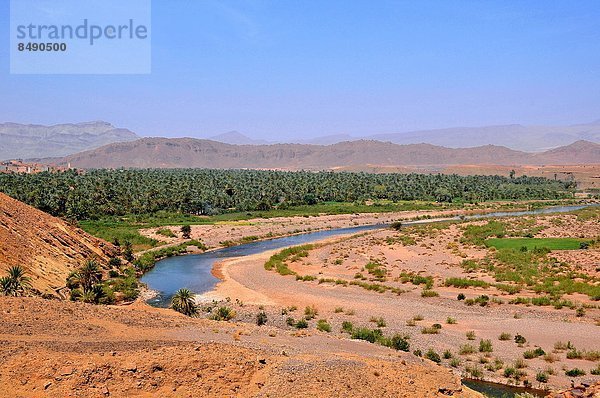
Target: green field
532 243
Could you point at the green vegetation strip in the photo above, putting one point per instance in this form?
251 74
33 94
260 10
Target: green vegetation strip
148 259
533 243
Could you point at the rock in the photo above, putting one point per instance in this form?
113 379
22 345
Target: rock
131 367
48 384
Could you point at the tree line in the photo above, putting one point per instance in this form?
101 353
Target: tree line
95 193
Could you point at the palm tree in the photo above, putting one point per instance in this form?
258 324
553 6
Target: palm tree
6 286
16 283
89 275
183 301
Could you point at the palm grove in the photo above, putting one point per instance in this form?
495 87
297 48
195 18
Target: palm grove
98 193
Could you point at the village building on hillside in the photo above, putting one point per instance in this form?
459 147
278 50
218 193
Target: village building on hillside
18 166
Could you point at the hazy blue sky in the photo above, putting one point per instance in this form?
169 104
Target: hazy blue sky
288 68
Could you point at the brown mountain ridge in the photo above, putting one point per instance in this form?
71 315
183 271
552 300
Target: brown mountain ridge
197 153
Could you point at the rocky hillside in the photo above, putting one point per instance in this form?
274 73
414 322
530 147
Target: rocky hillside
25 141
195 153
47 247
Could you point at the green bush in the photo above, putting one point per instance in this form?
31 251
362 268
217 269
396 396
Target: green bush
485 346
323 326
433 356
575 372
520 339
541 377
347 326
370 335
261 318
301 324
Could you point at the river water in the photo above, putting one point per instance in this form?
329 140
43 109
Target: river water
194 271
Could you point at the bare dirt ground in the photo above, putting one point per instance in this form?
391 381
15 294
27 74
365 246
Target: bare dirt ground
65 349
435 253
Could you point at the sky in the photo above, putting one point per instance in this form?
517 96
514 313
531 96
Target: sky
296 69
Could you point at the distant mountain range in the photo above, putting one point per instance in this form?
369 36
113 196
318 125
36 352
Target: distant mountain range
236 138
197 153
514 136
509 144
23 141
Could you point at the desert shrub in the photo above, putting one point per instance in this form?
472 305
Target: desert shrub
464 283
509 371
301 324
504 336
596 371
430 330
520 339
451 321
429 293
418 317
520 364
561 346
454 362
591 355
466 349
380 322
574 354
370 335
485 346
290 321
310 312
323 326
347 326
460 296
551 358
575 372
400 343
474 371
377 270
541 377
338 310
447 354
470 335
411 322
530 354
223 313
433 356
261 318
